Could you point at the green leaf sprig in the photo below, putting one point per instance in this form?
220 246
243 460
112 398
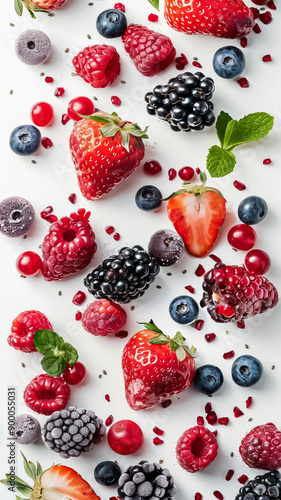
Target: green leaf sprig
154 3
57 353
232 133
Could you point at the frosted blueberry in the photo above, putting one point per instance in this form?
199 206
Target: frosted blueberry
33 47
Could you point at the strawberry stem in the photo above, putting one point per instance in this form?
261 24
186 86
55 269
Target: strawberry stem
177 343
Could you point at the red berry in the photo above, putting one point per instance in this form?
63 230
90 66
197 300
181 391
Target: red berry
152 167
228 355
46 142
257 261
72 198
98 65
104 317
172 173
242 237
109 229
79 298
153 18
261 447
125 437
266 161
157 441
65 118
73 375
23 328
42 114
237 412
196 448
239 185
267 58
200 270
229 475
46 394
49 79
196 64
243 479
243 82
78 316
59 92
186 173
82 105
210 337
218 495
29 263
116 101
243 42
158 431
265 17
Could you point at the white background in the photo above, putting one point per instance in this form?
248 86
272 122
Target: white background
51 180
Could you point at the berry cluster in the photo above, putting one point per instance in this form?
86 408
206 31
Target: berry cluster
146 480
267 485
184 102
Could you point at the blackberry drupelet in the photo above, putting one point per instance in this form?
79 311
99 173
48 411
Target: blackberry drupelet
266 485
72 431
146 481
123 277
184 102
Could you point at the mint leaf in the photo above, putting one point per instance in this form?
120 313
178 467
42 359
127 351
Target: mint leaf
54 365
57 353
221 124
47 341
70 353
18 7
154 3
220 162
252 127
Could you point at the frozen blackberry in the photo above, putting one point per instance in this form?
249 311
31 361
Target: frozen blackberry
72 431
184 102
166 246
146 481
264 486
123 277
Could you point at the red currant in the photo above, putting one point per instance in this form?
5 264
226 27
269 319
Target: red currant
125 437
73 375
42 114
152 167
28 263
81 105
242 237
257 261
186 173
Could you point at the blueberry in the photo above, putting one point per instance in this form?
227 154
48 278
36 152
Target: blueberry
33 47
16 216
252 210
228 62
25 140
184 309
107 473
246 370
208 379
111 23
166 246
148 198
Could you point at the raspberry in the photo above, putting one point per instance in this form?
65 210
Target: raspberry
261 447
231 293
45 394
151 52
23 328
196 448
68 247
98 65
103 317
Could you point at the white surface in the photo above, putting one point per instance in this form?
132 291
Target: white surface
51 181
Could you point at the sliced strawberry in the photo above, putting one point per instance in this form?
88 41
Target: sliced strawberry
61 483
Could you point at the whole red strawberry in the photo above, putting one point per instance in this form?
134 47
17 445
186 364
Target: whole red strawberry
105 150
46 394
68 247
104 317
98 65
155 367
261 447
196 448
23 328
151 52
221 18
197 212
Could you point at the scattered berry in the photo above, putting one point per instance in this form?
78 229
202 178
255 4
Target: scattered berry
190 288
249 402
33 47
210 337
98 65
208 379
157 441
111 23
116 101
252 210
186 174
59 92
166 246
243 42
223 420
80 106
25 140
125 437
158 431
108 420
184 309
218 495
257 29
79 298
46 142
116 236
45 394
107 473
228 355
237 412
146 480
74 374
26 429
49 79
109 229
72 198
199 271
242 237
148 198
243 82
267 161
265 17
257 261
200 420
211 417
261 447
196 449
152 167
78 316
153 18
42 114
199 324
172 174
181 62
267 58
65 118
17 217
196 64
246 370
229 62
29 263
120 6
229 475
103 317
23 328
239 185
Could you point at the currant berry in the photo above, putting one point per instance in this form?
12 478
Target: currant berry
186 173
125 437
257 261
29 263
242 237
42 114
81 105
75 374
152 167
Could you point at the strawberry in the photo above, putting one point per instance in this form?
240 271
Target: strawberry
105 150
59 482
221 18
197 213
155 367
37 6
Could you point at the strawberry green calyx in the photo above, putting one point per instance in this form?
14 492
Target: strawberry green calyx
30 6
176 344
196 189
34 472
154 3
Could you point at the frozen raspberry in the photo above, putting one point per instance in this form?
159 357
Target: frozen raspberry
68 247
23 328
104 317
151 52
196 448
45 394
261 447
98 65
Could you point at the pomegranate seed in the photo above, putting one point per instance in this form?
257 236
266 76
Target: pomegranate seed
79 298
266 161
199 271
59 92
223 420
243 42
249 402
267 58
109 229
172 174
49 79
46 142
78 315
210 337
239 185
229 474
266 17
116 101
72 198
116 236
196 64
181 62
243 82
243 479
107 397
152 167
218 495
211 417
158 431
108 420
45 213
256 29
200 420
122 334
241 324
153 18
198 171
190 288
120 6
208 407
198 496
228 355
157 441
237 412
271 5
65 118
215 433
214 257
186 173
166 403
255 12
199 324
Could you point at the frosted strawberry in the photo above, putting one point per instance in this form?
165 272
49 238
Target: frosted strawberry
156 367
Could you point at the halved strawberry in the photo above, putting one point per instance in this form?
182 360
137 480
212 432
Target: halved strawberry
197 212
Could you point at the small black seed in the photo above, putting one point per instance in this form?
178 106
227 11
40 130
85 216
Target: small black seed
89 36
273 367
161 461
23 365
246 346
132 308
39 246
195 58
59 292
232 454
184 271
158 286
66 50
122 81
33 162
250 419
169 274
95 98
104 372
11 92
42 74
11 24
90 4
100 375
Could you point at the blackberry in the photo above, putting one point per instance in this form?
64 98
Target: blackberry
123 277
267 485
72 431
146 481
